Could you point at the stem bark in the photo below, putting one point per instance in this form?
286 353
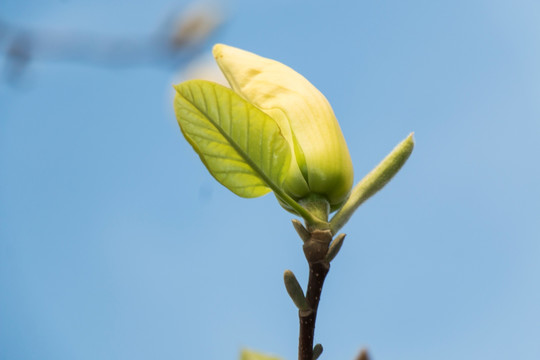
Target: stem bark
315 250
317 274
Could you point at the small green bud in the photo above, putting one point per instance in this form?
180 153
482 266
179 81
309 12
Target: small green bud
334 248
317 351
301 230
295 290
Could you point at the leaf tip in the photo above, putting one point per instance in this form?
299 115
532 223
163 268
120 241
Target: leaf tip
410 138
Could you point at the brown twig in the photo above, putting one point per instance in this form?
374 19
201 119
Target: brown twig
315 250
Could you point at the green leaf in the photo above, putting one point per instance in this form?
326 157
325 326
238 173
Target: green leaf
373 182
240 145
252 355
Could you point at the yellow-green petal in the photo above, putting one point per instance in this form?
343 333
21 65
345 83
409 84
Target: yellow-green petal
323 164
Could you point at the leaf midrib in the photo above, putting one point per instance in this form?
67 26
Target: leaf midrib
277 190
229 139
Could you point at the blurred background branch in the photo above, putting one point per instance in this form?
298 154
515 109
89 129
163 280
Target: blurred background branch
363 355
180 38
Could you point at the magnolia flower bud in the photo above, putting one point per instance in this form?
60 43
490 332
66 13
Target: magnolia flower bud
321 164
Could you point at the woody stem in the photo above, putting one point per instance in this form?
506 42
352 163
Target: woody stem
317 274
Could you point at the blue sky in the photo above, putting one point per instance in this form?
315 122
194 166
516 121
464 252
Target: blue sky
115 242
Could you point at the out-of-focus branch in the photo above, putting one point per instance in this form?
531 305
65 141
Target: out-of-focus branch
176 43
363 355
